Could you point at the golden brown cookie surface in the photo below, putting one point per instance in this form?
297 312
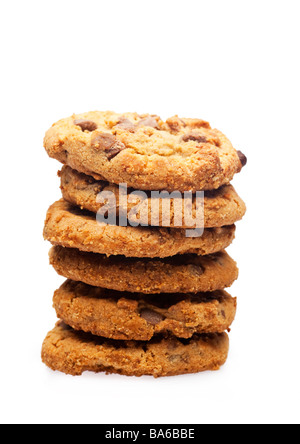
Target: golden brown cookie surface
133 316
178 274
74 352
145 152
67 226
221 207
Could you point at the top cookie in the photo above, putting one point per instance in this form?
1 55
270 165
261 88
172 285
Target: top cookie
145 152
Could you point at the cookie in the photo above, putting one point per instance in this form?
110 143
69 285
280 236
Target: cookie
68 226
145 152
178 274
74 352
221 207
133 316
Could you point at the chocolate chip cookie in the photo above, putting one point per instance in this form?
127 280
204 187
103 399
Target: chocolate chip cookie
221 207
178 274
126 316
68 226
145 152
74 352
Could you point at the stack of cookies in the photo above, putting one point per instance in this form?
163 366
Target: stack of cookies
144 297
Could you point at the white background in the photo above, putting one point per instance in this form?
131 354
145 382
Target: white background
234 63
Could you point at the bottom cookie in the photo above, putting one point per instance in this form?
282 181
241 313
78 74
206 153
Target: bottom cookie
73 353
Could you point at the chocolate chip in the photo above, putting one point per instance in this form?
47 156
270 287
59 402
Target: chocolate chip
86 125
149 121
108 143
126 125
152 317
194 138
242 158
115 150
196 270
103 141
